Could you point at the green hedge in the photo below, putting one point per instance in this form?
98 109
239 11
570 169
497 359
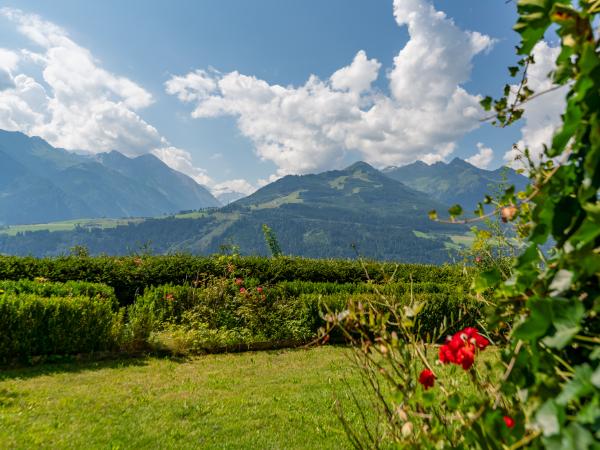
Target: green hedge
283 315
442 313
32 325
129 276
44 288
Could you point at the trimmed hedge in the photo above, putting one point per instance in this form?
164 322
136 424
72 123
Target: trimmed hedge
44 288
32 325
129 276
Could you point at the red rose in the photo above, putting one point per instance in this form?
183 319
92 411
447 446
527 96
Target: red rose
242 290
239 281
259 289
509 421
427 378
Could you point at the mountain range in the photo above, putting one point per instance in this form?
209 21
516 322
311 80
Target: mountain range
340 213
457 182
40 183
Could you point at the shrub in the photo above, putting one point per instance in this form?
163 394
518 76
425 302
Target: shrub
129 276
33 325
45 288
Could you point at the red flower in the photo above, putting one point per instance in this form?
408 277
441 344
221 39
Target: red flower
465 357
239 281
447 355
427 378
242 290
509 421
169 297
259 289
478 259
475 338
460 349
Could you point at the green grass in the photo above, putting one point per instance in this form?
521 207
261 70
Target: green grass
68 225
276 399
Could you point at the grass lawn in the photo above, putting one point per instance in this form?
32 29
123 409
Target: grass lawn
275 399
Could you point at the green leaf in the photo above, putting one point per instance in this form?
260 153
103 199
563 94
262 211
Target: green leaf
486 103
455 210
548 418
513 71
486 280
433 214
537 323
578 386
566 318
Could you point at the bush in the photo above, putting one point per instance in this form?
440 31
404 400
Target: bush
45 288
33 325
129 276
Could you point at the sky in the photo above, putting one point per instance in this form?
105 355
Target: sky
238 93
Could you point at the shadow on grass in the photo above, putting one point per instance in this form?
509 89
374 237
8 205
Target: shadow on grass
74 365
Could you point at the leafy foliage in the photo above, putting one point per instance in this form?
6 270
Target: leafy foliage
33 325
129 276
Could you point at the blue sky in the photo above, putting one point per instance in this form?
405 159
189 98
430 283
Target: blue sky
276 42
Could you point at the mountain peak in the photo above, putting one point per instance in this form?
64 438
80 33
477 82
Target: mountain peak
360 165
457 162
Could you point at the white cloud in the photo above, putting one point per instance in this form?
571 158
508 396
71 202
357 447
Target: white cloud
79 105
233 186
482 158
541 115
8 60
181 160
311 127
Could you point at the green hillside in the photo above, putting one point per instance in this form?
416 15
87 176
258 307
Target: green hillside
332 214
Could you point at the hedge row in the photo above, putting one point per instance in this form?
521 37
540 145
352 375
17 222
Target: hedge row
32 325
45 288
130 275
273 316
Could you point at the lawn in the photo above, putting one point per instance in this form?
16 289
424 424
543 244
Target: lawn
274 399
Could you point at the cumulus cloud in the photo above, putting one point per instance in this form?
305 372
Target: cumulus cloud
311 127
541 115
482 158
78 104
237 186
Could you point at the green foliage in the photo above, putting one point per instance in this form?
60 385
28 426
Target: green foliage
44 288
271 241
129 276
555 298
33 325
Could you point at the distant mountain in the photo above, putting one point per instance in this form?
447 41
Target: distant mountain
332 214
455 182
40 183
229 197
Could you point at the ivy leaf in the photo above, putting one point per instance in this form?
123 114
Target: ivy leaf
513 71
